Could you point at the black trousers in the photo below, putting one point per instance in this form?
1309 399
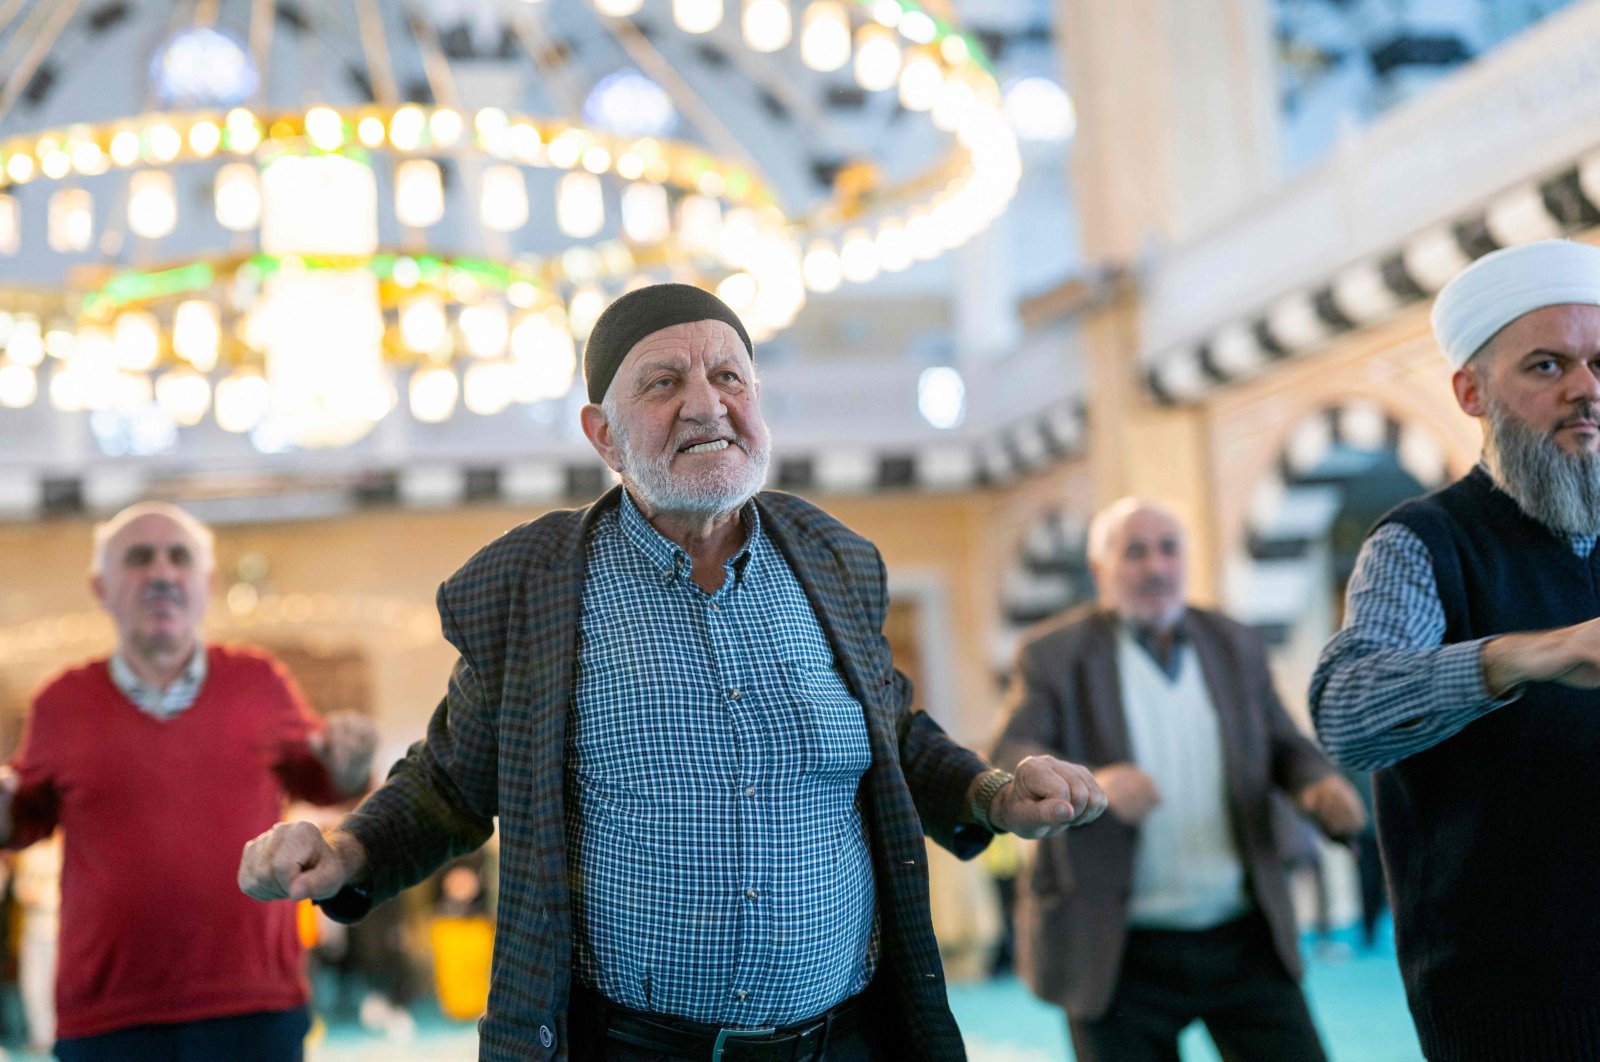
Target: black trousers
1229 977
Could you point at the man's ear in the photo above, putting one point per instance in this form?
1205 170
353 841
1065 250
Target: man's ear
97 586
1468 385
598 431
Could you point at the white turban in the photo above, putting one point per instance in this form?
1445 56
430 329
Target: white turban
1503 285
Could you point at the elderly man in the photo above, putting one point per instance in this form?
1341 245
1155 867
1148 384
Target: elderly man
1173 907
157 764
680 705
1465 677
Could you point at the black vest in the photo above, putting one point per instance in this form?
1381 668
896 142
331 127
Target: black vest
1491 839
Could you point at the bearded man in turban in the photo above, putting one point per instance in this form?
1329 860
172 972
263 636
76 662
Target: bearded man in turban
711 788
1466 676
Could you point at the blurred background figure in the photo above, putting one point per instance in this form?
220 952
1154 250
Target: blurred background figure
152 762
1174 908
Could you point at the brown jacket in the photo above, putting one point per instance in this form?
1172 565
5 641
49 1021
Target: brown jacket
1066 700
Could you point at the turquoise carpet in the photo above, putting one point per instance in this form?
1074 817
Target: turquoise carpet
1356 997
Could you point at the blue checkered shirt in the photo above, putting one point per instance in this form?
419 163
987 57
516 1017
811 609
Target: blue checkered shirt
1386 686
719 864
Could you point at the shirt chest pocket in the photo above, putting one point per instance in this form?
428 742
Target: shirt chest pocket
827 727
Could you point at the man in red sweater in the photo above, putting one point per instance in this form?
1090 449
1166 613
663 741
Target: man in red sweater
158 764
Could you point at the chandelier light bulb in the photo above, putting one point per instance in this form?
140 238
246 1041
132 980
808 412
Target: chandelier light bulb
196 333
877 57
767 24
484 330
433 393
618 8
204 138
25 345
184 395
894 246
162 142
241 401
921 78
19 386
858 256
580 204
370 131
821 267
423 325
697 16
70 220
324 128
646 214
405 128
445 126
243 132
418 193
152 204
584 309
504 204
138 340
238 196
10 225
825 36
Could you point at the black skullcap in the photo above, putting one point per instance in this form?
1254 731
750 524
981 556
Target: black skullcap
640 312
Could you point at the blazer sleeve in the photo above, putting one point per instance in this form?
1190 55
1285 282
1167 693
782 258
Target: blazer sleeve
440 799
937 769
1031 718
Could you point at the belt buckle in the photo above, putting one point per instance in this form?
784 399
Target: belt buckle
724 1035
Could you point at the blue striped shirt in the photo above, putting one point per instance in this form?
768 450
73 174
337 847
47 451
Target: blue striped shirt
719 864
1387 686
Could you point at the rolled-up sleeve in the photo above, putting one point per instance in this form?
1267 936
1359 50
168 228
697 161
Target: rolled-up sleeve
1386 686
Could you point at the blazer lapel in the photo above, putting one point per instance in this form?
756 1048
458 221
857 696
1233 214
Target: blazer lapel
1102 678
822 577
1216 664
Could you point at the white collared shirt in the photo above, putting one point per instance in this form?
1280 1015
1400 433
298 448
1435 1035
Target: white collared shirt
161 703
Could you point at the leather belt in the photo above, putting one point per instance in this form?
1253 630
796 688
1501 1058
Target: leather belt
681 1038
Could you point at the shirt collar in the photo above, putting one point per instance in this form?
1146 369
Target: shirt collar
1145 638
669 558
162 703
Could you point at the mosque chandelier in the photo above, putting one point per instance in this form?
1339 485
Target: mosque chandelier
317 291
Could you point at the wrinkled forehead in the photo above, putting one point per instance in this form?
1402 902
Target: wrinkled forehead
152 531
1147 527
715 342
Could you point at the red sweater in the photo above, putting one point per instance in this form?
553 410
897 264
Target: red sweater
154 815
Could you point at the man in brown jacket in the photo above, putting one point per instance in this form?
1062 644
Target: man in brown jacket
1172 907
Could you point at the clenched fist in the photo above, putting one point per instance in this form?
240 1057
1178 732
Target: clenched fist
1047 796
298 861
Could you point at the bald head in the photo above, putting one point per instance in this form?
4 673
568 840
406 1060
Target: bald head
1137 551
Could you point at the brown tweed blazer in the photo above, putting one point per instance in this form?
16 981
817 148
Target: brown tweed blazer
1066 700
496 742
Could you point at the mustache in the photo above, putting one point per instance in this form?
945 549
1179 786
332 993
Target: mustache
1585 411
1156 584
162 590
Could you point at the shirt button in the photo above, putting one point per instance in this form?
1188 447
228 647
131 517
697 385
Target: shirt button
715 607
734 694
750 790
750 894
546 1037
740 994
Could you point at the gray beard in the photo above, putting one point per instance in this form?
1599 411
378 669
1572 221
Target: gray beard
1558 489
710 494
